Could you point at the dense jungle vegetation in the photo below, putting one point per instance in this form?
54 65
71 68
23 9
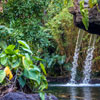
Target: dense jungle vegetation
38 37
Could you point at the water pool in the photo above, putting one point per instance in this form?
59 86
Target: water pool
75 92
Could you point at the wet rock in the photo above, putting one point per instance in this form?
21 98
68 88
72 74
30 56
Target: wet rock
95 81
94 18
23 96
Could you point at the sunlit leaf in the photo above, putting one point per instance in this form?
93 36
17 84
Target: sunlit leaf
3 59
32 74
16 64
43 68
42 95
11 47
23 43
25 49
26 62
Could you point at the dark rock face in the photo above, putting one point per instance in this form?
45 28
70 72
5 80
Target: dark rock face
58 79
94 18
23 96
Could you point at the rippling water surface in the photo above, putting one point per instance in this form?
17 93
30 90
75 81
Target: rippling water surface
78 92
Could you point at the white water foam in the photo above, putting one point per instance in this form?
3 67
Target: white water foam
74 85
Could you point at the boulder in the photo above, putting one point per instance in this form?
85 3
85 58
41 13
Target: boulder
23 96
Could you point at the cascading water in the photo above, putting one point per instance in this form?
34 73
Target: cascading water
75 58
88 61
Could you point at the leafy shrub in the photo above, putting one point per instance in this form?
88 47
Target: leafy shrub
17 63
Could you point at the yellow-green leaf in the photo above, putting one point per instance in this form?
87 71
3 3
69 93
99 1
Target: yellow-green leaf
43 68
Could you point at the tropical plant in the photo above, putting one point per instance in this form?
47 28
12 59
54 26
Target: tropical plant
20 65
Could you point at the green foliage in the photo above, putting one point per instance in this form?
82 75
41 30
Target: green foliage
84 12
56 6
43 68
22 9
44 24
92 3
42 95
2 75
26 18
57 25
20 62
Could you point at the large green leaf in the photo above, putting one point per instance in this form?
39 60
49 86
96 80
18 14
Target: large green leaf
32 74
8 51
85 21
37 58
25 49
22 81
23 43
36 68
11 47
2 75
3 60
43 68
16 64
26 62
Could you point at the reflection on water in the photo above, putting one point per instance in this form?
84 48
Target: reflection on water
73 93
87 93
76 93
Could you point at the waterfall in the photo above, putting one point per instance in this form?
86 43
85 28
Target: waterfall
75 58
88 61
